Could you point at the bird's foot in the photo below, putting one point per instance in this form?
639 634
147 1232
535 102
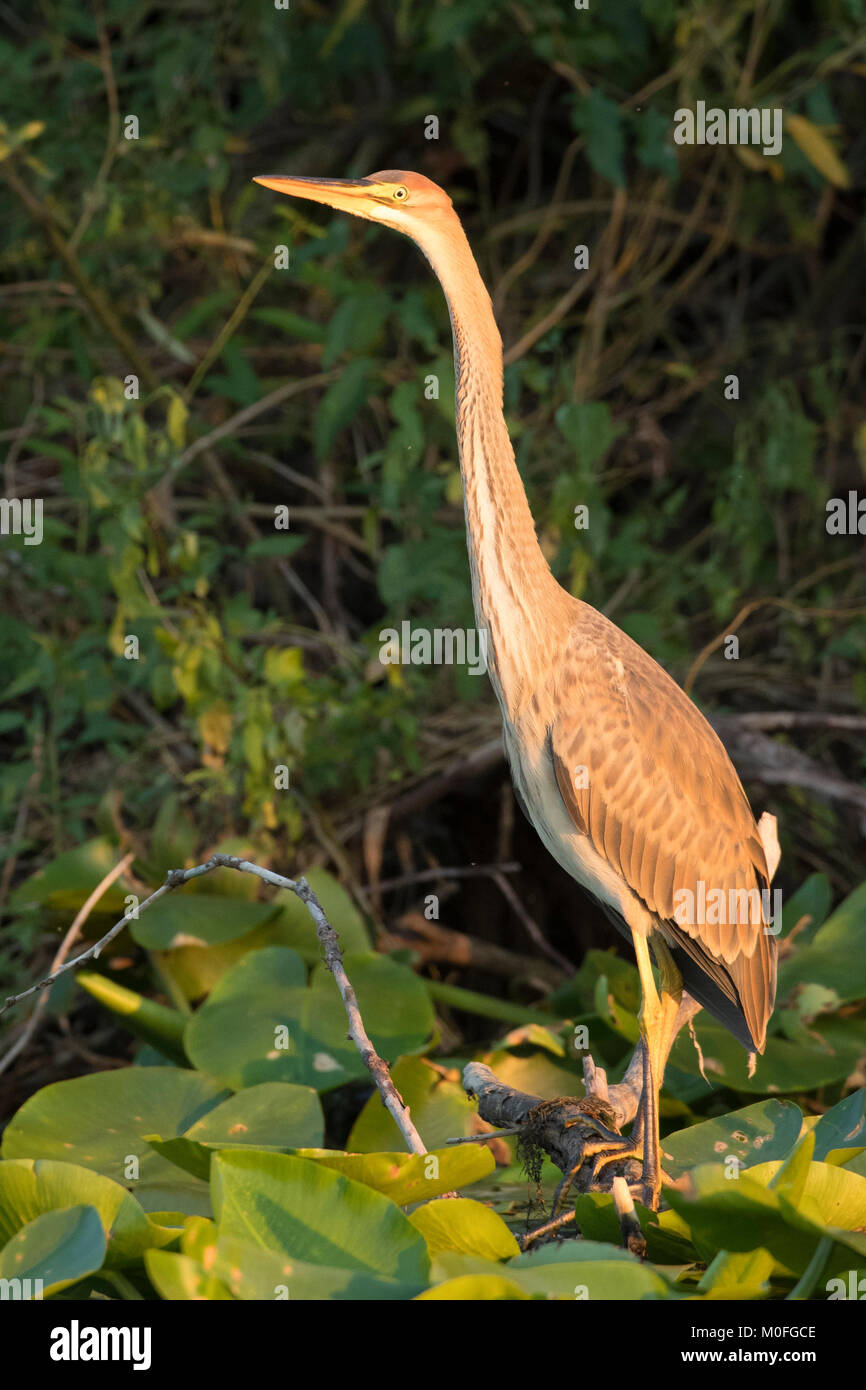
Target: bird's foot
595 1153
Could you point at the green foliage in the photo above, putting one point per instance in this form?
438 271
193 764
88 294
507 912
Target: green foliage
262 1022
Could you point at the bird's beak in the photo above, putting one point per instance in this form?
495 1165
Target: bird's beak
348 195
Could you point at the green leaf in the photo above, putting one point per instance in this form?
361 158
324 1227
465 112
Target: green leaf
843 1126
784 1067
69 879
307 1212
746 1213
29 1188
100 1121
404 1177
298 927
654 142
812 899
178 1278
834 957
198 919
463 1224
767 1130
59 1248
439 1106
271 1116
290 324
282 545
590 430
475 1288
268 1115
582 1270
254 1273
355 324
262 1023
340 404
600 121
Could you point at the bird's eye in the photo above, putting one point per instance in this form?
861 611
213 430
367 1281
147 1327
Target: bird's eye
400 193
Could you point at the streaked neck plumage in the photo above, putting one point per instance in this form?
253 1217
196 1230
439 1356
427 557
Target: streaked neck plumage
511 580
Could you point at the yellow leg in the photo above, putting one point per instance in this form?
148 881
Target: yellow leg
656 1019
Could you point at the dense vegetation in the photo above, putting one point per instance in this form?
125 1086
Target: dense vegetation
166 387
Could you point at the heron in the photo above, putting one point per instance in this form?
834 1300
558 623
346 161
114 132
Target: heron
625 781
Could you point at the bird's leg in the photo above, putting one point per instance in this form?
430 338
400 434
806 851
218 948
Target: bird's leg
612 1146
659 1019
658 1014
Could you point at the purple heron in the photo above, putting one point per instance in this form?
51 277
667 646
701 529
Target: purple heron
625 781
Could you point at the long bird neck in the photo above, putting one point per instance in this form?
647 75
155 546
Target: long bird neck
511 580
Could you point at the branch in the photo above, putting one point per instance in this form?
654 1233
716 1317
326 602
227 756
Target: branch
562 1128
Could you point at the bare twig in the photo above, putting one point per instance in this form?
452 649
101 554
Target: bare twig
63 951
243 417
534 931
234 321
433 875
432 941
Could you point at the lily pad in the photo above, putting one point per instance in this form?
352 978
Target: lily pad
101 1121
843 1126
67 881
834 957
31 1187
262 1023
178 1278
271 1116
748 1213
409 1178
56 1249
337 906
185 918
462 1224
475 1288
784 1067
307 1212
768 1129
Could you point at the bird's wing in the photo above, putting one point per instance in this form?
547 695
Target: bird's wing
641 773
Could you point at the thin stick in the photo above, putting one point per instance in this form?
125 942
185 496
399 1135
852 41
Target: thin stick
548 1229
251 412
63 951
237 317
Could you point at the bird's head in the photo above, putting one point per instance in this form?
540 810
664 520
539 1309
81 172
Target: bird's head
395 197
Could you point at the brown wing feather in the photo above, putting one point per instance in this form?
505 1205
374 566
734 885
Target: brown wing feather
662 803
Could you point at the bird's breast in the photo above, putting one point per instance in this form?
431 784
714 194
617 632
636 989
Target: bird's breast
534 779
